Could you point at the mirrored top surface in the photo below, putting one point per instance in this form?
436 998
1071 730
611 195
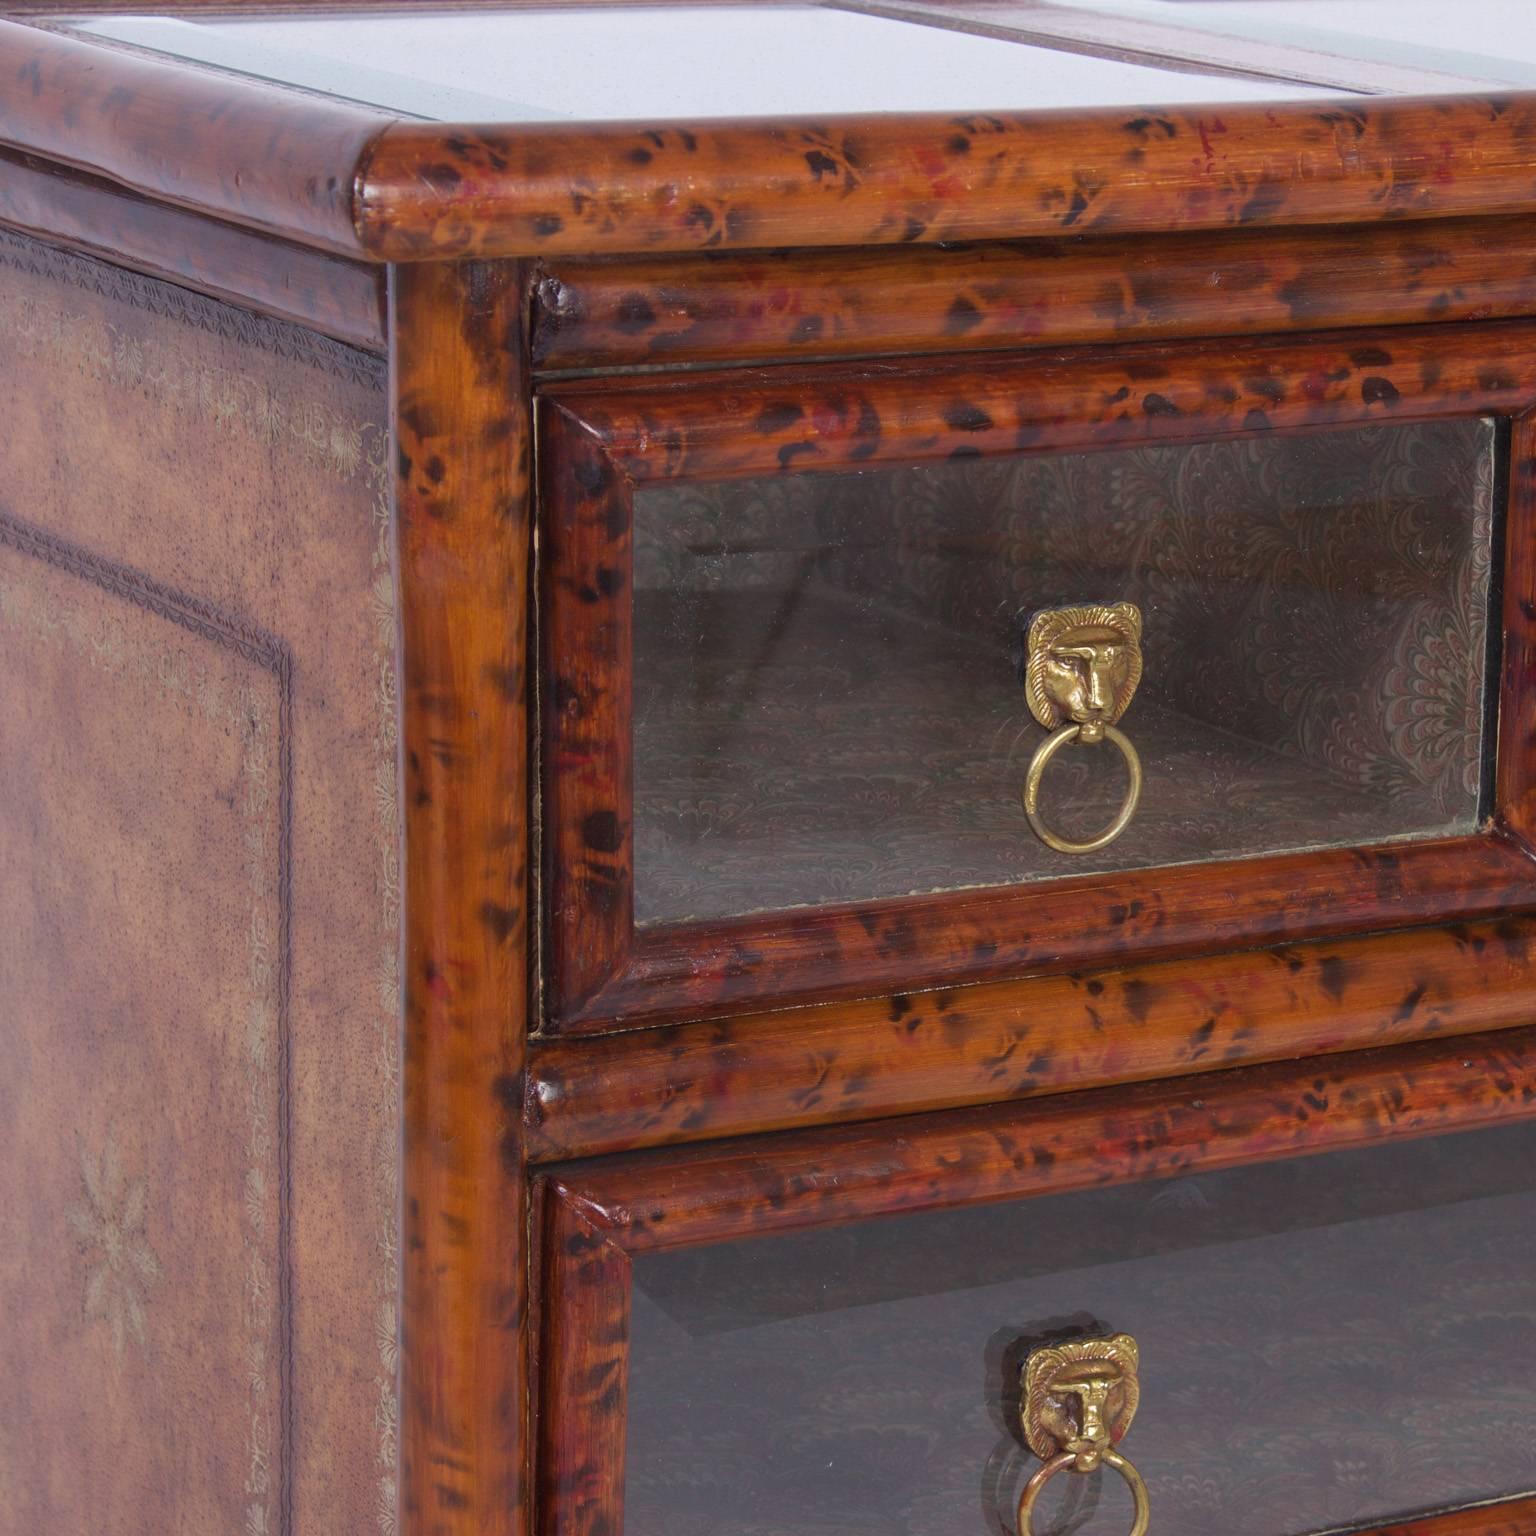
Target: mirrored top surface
686 62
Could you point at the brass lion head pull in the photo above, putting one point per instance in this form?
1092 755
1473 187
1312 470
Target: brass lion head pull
1081 669
1080 1397
1083 666
1078 1402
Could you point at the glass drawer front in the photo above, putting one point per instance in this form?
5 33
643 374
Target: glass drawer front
830 671
1326 1344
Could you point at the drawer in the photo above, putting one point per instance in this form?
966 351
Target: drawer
1325 1343
879 678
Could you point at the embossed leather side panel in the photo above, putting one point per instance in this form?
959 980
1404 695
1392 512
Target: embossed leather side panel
199 909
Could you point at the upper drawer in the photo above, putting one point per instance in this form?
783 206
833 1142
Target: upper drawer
852 672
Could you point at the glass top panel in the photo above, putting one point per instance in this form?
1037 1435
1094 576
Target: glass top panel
1490 40
658 63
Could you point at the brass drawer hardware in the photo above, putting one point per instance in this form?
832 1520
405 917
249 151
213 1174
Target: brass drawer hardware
1078 1401
1082 666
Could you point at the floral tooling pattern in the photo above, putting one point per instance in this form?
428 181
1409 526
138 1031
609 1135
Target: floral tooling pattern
122 1270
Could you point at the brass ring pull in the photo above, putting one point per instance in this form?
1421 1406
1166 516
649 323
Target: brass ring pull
1032 1489
1082 666
1044 753
1076 1404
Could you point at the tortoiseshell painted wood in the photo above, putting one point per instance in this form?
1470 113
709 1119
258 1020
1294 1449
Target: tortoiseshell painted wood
1516 789
650 1202
805 304
278 160
901 180
1517 1518
327 293
601 440
730 425
814 954
462 445
924 1051
326 174
584 1358
586 634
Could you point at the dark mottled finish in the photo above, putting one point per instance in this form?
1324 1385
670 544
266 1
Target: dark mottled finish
1516 790
899 180
600 440
1513 1519
586 648
278 160
803 304
326 174
925 1051
584 1357
329 294
462 445
656 1201
852 415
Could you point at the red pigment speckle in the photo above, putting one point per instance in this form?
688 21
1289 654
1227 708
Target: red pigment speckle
1315 385
1206 129
828 417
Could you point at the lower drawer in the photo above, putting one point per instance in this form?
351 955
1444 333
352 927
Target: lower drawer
1344 1342
1325 1343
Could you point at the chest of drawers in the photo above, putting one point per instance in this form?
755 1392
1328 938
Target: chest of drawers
760 763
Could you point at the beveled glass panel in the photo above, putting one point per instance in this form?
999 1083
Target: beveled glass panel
1491 40
1325 1344
828 697
666 63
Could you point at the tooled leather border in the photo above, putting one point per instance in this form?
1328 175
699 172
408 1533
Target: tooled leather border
225 321
256 646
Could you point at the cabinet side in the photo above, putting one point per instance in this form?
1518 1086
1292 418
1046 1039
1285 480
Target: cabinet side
199 916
